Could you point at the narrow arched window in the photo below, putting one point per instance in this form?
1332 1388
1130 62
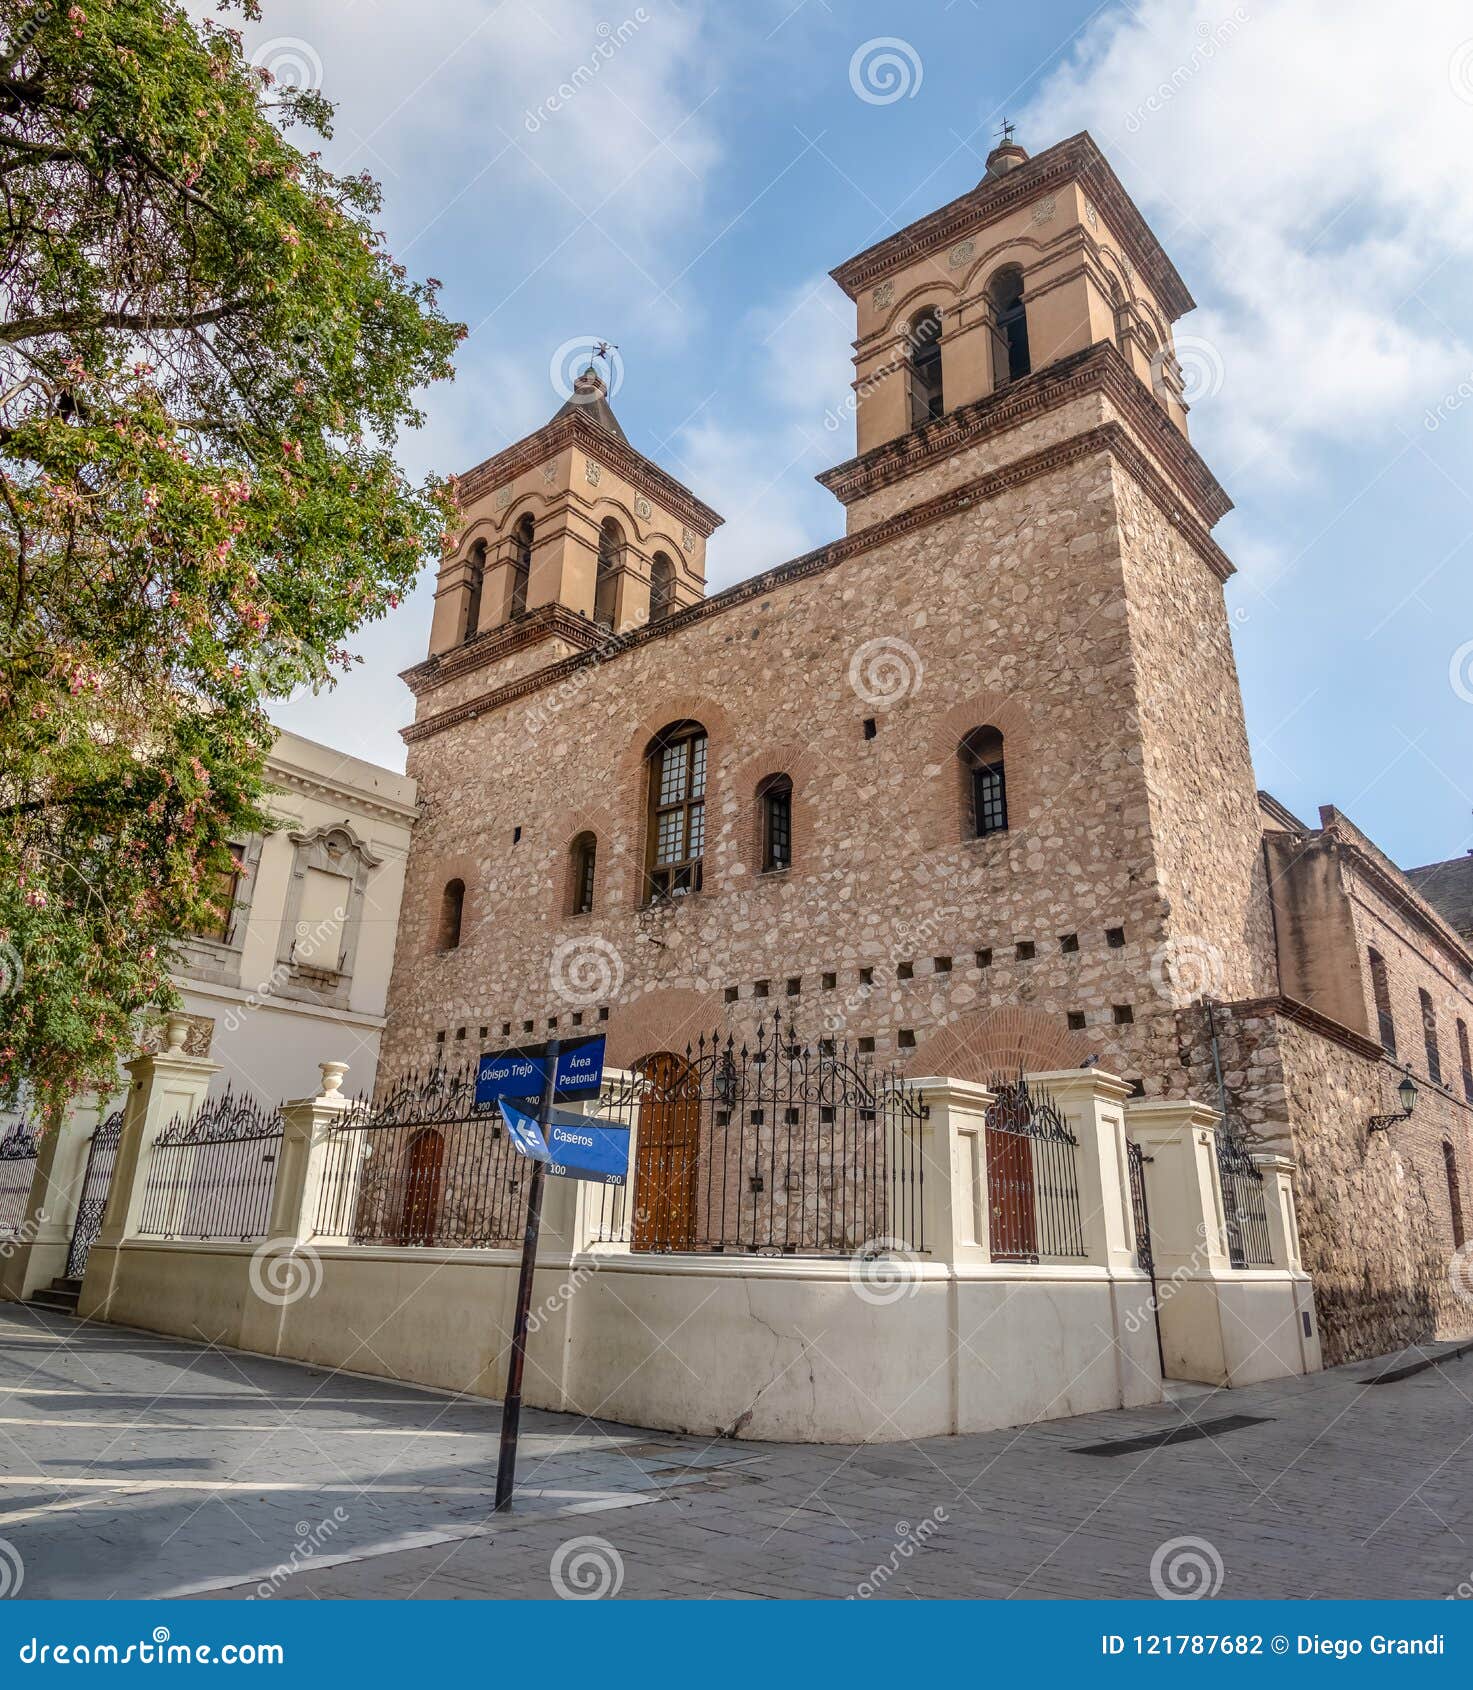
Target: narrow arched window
452 910
677 811
473 592
610 562
775 796
1012 323
1454 1194
1429 1038
982 756
923 356
585 867
523 537
662 586
1381 992
1465 1059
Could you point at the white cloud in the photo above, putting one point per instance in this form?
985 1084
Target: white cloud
1306 165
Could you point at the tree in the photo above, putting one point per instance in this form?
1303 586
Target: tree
206 356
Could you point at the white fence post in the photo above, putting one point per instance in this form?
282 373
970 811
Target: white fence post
954 1168
1183 1186
306 1127
1279 1205
160 1087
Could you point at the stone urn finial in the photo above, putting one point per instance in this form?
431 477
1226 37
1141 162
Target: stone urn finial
332 1077
176 1031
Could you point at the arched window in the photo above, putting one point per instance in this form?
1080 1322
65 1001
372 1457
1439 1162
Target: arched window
662 586
610 562
775 796
1454 1194
452 909
473 595
982 756
1465 1059
1429 1039
1381 992
523 536
1006 292
923 359
677 811
585 867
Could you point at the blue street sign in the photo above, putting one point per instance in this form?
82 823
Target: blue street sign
581 1147
524 1133
521 1073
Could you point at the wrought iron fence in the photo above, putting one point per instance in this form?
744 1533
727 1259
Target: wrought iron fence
97 1182
1032 1176
1245 1212
421 1164
17 1170
773 1147
212 1174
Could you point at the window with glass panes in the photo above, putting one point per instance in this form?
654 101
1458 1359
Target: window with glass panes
777 824
677 812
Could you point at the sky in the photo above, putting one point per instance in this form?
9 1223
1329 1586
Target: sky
1303 162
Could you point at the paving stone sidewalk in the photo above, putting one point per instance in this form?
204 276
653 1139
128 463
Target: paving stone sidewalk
140 1466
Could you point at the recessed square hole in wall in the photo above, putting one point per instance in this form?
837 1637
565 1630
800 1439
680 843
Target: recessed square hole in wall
795 985
907 1038
577 1017
905 971
485 1032
984 958
866 1047
506 1029
732 993
1123 1014
439 1038
1027 950
516 836
551 1023
830 981
761 988
1115 937
866 977
526 1026
870 727
603 1013
826 1047
942 964
1068 943
460 1032
1137 1087
1075 1020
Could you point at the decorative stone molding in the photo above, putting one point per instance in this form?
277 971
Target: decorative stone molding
338 851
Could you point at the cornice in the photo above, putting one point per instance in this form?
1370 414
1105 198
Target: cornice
1291 1009
1399 892
546 622
574 429
1097 369
1109 438
1077 158
292 778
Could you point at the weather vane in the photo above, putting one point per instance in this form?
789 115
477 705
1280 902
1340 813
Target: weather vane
1006 132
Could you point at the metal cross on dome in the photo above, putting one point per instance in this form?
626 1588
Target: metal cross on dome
1006 131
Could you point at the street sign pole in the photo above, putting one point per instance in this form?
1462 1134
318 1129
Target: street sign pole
511 1408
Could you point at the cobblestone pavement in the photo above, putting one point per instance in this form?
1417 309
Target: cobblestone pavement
140 1466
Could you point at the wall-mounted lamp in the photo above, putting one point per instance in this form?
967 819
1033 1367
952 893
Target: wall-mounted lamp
1407 1092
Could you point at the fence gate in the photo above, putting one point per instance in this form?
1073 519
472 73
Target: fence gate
1145 1252
1244 1211
102 1155
17 1170
1032 1176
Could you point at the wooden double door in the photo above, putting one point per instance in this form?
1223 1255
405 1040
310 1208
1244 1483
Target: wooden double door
666 1154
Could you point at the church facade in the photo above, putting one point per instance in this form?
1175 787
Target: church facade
967 789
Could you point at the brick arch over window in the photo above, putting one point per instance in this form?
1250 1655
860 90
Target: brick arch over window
748 779
631 783
425 898
983 1043
948 819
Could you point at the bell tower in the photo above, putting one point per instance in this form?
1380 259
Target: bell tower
1045 258
570 520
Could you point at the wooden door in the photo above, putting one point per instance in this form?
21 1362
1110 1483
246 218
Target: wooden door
1014 1235
420 1214
665 1156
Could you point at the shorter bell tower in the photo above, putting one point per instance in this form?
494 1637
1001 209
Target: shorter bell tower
572 518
